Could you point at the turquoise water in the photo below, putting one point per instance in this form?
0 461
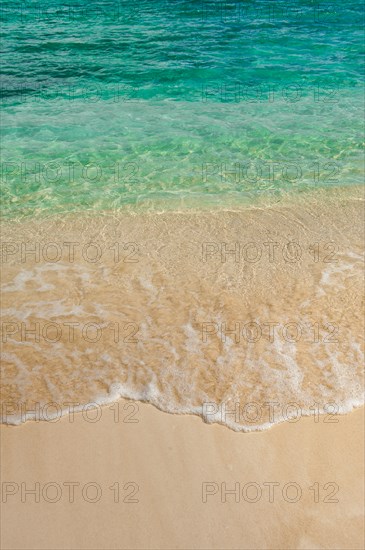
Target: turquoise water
119 102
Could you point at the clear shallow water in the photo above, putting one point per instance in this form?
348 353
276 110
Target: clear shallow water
106 105
169 322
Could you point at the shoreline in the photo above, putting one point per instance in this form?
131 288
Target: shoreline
101 405
160 307
195 202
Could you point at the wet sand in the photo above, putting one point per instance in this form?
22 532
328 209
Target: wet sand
180 308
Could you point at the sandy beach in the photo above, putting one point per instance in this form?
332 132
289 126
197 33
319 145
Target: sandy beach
182 275
130 476
171 470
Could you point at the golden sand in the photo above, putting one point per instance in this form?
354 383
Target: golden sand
171 314
188 309
164 462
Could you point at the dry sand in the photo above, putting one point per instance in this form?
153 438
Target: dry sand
169 457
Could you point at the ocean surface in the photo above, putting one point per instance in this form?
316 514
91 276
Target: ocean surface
182 215
113 102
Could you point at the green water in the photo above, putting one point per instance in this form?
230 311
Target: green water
116 103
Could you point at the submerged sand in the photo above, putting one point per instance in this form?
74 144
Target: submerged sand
195 311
